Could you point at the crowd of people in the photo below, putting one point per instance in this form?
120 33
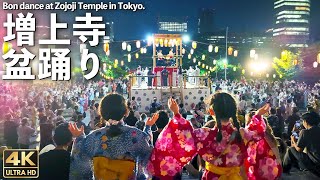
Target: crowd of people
245 130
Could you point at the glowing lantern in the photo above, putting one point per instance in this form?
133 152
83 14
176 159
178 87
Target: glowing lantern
138 44
280 76
214 62
189 56
267 75
116 61
82 47
207 67
315 64
124 46
284 55
106 47
161 42
170 43
234 69
191 51
252 53
243 71
203 57
115 65
199 63
235 53
194 45
110 67
104 66
210 48
274 76
230 51
183 51
129 57
177 42
203 65
141 50
194 60
145 50
108 53
318 58
137 55
166 43
174 42
129 48
295 62
216 49
122 63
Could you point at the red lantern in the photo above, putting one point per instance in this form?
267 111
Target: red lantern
230 51
106 47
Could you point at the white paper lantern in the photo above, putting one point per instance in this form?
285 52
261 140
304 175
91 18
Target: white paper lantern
315 64
191 51
138 44
124 46
129 48
210 48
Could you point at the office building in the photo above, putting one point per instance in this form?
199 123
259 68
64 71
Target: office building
291 28
206 21
172 25
109 32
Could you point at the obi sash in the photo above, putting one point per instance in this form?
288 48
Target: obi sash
109 169
225 173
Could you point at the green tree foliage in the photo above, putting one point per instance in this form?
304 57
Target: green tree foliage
288 65
116 71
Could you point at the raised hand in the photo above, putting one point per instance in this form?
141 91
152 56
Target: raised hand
263 110
172 104
75 131
151 121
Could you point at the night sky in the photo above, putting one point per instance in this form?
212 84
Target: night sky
238 15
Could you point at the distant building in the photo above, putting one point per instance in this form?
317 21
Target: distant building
291 27
109 32
172 25
206 21
248 40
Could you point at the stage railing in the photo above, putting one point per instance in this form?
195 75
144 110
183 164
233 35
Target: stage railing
182 80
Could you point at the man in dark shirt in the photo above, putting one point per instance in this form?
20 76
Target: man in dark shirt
308 139
150 77
273 121
55 164
164 76
10 132
291 121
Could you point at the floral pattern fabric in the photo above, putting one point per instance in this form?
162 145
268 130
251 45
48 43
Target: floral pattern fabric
132 144
179 143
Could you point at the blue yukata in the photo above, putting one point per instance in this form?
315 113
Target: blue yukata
133 144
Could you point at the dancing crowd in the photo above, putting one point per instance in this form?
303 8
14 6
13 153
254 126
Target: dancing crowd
247 129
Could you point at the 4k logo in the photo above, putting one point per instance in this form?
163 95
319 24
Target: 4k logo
20 163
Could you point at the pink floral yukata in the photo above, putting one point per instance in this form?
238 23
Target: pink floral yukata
179 143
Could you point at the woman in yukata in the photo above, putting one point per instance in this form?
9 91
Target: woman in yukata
229 152
113 152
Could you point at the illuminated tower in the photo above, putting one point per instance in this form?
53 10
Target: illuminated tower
291 28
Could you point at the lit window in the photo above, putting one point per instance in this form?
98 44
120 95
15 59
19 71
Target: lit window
288 16
303 8
280 1
292 4
294 12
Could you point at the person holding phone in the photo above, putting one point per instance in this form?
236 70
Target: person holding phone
295 155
